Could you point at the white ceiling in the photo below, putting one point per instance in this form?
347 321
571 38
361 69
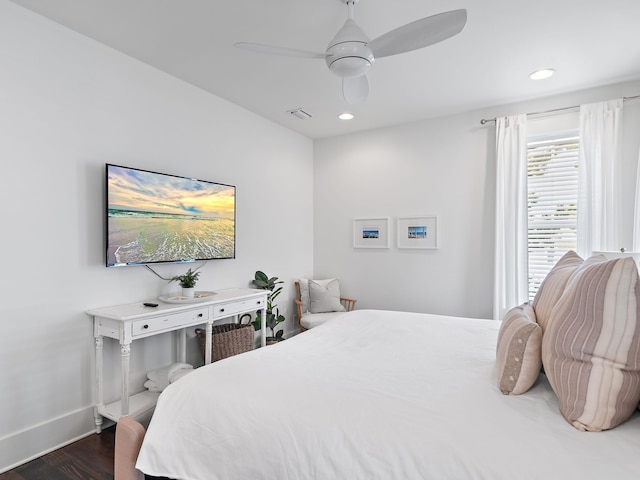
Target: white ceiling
588 42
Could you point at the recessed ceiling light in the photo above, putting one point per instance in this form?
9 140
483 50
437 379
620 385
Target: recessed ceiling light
542 74
345 116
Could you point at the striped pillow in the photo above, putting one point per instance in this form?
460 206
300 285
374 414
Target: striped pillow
553 285
518 353
591 347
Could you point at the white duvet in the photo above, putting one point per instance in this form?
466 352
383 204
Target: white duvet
375 395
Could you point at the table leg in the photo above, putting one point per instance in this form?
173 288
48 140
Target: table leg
125 356
207 343
99 392
263 320
182 345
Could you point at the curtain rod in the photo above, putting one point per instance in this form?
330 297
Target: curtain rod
486 120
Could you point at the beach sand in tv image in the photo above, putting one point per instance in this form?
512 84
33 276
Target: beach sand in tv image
159 218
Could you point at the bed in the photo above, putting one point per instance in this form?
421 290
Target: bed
375 395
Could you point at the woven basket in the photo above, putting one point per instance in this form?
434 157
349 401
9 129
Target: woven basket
228 339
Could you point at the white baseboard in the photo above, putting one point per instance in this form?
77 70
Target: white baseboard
28 444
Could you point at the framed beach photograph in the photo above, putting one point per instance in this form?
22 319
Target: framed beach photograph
371 233
418 232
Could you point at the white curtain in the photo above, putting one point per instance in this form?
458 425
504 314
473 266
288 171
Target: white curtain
636 216
600 132
510 282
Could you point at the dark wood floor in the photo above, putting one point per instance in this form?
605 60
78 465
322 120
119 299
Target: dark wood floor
88 459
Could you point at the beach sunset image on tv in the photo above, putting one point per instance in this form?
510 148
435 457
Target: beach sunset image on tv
154 217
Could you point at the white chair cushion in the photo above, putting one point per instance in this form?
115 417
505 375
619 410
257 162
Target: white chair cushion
310 320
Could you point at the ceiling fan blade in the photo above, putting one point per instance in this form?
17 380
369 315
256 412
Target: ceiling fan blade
355 89
419 34
288 52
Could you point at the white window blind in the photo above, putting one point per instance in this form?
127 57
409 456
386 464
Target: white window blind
552 200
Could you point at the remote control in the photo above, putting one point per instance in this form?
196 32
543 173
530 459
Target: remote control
149 304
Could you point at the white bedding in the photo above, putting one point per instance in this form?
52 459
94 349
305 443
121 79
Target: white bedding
375 395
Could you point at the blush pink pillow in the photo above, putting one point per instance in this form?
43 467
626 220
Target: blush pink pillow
591 346
553 285
518 353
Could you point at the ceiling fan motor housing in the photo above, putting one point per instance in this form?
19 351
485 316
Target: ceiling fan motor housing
348 54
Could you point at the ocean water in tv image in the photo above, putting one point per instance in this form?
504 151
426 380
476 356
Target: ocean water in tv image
149 237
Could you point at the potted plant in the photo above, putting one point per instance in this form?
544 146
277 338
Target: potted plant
188 282
273 317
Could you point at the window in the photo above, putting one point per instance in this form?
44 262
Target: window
552 200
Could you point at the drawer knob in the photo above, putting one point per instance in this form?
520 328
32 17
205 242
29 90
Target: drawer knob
199 315
222 310
145 327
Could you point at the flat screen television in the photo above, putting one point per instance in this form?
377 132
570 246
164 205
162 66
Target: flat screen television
155 217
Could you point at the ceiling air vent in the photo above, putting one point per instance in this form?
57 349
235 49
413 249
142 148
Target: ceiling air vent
299 113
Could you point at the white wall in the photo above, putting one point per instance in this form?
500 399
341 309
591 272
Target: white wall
68 105
444 167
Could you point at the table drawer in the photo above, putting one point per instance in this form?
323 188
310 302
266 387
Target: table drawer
231 308
146 326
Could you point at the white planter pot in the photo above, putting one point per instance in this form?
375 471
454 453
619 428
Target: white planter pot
188 292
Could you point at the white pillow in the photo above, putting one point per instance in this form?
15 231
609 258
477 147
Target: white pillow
324 296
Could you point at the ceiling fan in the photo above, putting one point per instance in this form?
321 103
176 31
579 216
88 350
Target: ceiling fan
350 53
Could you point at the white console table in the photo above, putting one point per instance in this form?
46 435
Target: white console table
130 322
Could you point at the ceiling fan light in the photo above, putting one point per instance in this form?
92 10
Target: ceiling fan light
350 66
542 74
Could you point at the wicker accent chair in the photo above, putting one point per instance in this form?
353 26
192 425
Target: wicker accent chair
129 436
307 320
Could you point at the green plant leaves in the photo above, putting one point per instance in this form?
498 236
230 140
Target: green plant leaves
264 282
188 280
261 280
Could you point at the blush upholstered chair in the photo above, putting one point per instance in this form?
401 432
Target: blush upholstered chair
129 436
318 301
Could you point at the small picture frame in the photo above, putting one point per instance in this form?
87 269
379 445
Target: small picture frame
418 232
370 233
